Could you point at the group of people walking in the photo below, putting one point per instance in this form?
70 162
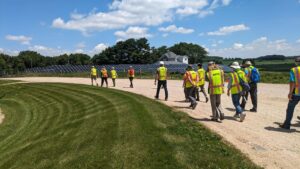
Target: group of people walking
113 74
242 82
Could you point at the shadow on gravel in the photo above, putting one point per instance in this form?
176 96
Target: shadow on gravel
277 129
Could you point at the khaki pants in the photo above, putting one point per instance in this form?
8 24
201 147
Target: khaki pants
215 101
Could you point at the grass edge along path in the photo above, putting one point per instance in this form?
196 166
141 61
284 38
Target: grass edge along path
79 126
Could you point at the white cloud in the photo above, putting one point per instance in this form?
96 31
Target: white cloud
175 29
228 30
238 46
21 38
259 47
48 51
79 51
99 48
298 41
125 13
133 32
226 2
165 35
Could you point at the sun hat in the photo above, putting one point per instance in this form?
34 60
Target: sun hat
235 65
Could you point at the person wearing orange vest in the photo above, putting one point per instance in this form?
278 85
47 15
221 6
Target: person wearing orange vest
184 84
294 94
161 77
201 83
236 90
190 85
114 75
104 76
94 75
215 89
131 75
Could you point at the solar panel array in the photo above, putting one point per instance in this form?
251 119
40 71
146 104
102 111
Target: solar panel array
150 68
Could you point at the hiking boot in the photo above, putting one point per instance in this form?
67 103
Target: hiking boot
284 127
222 116
253 110
156 97
242 118
166 99
197 100
298 117
194 105
206 99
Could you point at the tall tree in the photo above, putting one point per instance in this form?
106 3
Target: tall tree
195 52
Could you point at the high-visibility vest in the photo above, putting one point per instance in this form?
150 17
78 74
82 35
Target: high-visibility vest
235 85
131 72
193 75
201 75
94 72
249 72
162 72
113 74
216 81
104 73
296 71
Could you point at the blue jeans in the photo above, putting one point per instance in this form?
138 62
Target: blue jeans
290 110
236 102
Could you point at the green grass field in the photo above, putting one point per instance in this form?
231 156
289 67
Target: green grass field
77 126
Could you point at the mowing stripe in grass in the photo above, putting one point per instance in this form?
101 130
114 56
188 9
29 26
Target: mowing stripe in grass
78 126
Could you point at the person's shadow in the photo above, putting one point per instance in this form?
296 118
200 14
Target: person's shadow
278 129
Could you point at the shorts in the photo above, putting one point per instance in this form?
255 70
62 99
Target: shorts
94 77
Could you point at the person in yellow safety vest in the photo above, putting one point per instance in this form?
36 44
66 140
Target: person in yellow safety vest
215 89
236 90
104 76
201 83
294 94
184 84
94 75
161 77
114 76
253 87
190 85
131 75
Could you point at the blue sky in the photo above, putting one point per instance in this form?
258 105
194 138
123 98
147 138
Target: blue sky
228 28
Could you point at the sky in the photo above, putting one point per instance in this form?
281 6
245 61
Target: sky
227 28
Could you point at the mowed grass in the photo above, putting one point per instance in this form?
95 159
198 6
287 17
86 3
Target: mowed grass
76 126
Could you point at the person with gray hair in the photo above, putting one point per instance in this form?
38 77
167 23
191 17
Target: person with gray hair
294 94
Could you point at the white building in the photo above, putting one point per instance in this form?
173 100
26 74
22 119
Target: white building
172 58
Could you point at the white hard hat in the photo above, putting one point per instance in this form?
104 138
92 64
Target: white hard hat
161 62
235 65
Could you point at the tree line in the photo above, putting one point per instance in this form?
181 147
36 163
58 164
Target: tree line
131 51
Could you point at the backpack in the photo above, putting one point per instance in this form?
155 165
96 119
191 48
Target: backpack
245 85
255 76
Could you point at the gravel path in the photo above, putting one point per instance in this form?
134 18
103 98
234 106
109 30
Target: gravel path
258 136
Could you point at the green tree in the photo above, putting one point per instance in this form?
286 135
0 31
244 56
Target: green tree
194 52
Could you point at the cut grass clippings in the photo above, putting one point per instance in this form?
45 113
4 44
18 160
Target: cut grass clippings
76 127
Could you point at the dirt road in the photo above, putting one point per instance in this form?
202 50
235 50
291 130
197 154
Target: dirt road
258 136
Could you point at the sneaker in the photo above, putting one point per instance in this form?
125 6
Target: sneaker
242 118
236 116
215 120
194 105
284 127
253 110
206 100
